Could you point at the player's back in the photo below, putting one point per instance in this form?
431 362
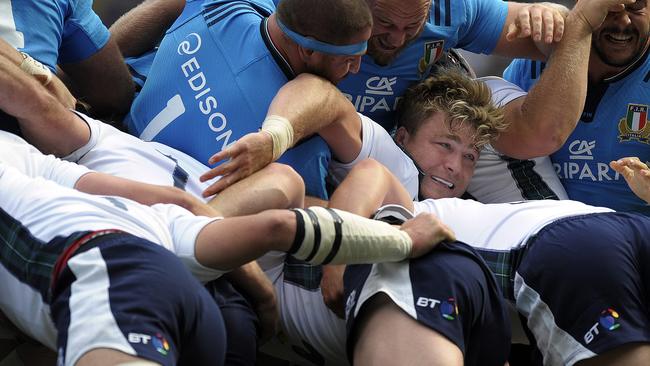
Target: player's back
204 91
501 226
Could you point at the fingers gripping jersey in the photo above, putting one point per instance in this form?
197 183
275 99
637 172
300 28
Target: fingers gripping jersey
614 124
52 32
473 25
212 81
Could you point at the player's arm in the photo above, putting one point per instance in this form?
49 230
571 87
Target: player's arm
541 122
41 73
304 106
102 81
146 194
140 29
253 283
42 118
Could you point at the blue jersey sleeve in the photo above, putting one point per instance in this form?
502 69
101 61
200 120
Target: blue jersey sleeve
83 33
524 73
483 25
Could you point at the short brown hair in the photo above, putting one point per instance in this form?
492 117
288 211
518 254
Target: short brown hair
330 21
461 98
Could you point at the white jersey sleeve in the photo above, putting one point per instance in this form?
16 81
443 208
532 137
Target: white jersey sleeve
184 228
379 145
16 152
498 178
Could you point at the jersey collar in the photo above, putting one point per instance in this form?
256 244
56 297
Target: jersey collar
277 56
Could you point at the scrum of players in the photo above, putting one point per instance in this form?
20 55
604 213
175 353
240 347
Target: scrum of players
300 182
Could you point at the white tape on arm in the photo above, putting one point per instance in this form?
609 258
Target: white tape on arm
330 236
36 69
281 133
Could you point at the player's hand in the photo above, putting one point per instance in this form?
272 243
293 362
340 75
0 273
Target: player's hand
593 12
426 231
61 92
331 286
543 22
636 174
246 156
268 315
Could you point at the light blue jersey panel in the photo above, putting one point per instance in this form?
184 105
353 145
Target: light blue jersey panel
212 81
53 31
473 25
613 125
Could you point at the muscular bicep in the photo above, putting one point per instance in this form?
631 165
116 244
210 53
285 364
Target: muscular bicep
344 137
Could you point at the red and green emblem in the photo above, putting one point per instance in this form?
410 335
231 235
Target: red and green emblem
635 124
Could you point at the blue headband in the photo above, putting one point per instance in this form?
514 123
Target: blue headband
312 44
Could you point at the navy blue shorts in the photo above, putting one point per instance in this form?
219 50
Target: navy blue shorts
127 294
450 290
583 285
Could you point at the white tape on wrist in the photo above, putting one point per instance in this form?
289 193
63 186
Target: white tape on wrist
330 236
36 69
281 132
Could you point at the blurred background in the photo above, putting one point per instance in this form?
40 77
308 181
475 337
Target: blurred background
110 10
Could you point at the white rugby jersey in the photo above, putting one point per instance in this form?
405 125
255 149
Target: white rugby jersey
48 210
498 178
379 145
500 226
114 152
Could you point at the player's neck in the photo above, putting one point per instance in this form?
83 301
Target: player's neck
286 48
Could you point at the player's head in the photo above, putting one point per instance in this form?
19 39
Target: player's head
623 36
395 24
331 35
442 124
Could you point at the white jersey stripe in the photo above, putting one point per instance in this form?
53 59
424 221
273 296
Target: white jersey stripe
91 317
557 346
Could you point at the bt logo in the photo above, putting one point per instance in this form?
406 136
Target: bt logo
448 308
608 320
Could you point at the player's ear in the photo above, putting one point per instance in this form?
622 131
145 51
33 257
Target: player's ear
401 136
305 53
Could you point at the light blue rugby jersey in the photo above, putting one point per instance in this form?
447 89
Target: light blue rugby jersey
211 82
614 124
53 31
473 25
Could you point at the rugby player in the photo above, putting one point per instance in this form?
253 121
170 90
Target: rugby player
200 86
613 123
37 213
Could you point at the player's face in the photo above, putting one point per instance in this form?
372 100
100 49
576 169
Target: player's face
396 24
447 155
336 67
623 35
